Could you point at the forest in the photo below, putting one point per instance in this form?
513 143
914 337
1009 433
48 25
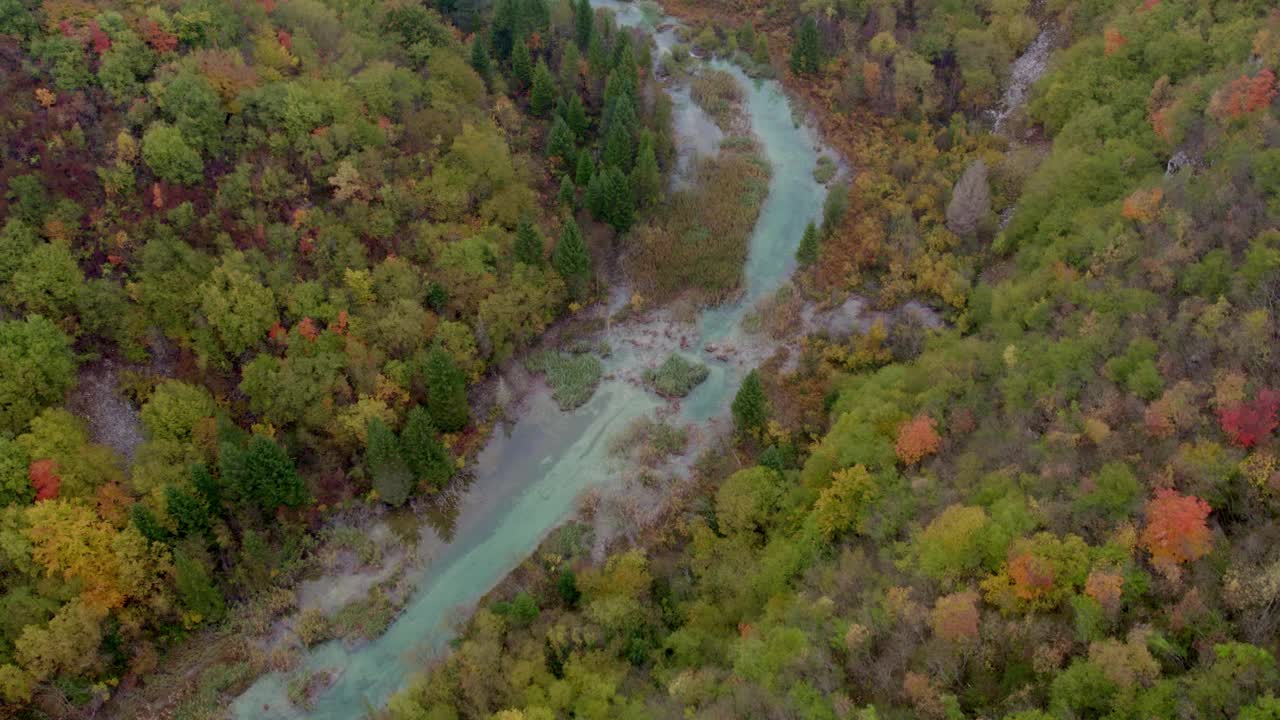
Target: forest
303 239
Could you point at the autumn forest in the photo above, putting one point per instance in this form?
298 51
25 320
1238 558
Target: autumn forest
539 359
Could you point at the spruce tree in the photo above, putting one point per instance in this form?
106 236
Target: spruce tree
567 197
528 246
619 201
480 58
597 60
584 21
805 52
807 252
428 458
572 260
750 409
619 148
543 94
570 58
263 473
385 464
521 65
576 116
560 143
187 511
597 203
446 391
646 179
586 169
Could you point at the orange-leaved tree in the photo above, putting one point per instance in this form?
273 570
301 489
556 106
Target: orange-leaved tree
1176 531
917 438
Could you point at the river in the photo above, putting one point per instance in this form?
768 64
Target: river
528 479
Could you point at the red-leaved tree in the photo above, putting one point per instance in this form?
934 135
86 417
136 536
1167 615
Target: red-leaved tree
43 478
1247 424
917 438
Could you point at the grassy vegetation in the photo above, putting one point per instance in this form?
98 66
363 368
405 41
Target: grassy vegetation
718 93
698 242
825 169
648 442
573 378
676 377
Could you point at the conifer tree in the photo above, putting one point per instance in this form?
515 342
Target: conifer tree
585 171
619 149
584 22
543 94
596 200
385 463
572 260
805 53
646 178
619 201
597 60
521 65
750 408
560 143
263 473
427 457
567 197
807 252
576 116
480 61
570 59
528 246
446 392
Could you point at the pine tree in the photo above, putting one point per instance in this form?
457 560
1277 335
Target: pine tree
560 143
585 171
384 461
543 94
521 65
805 54
584 21
807 252
596 200
646 178
567 197
480 61
570 58
187 511
446 392
619 201
528 246
263 473
427 457
619 149
597 60
761 51
572 260
502 28
576 116
750 409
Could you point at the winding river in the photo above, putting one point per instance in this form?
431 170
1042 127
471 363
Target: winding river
528 478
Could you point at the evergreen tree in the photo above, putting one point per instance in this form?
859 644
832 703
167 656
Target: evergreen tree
521 65
502 28
807 252
480 59
446 391
428 458
186 510
567 197
528 247
596 200
750 409
619 148
263 472
147 523
570 58
619 201
544 92
207 486
597 60
584 22
560 143
761 51
576 116
572 260
585 171
806 53
646 178
384 461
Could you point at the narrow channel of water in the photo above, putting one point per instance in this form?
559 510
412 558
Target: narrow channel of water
528 478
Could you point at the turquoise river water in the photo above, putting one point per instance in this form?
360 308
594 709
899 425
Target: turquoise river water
528 479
